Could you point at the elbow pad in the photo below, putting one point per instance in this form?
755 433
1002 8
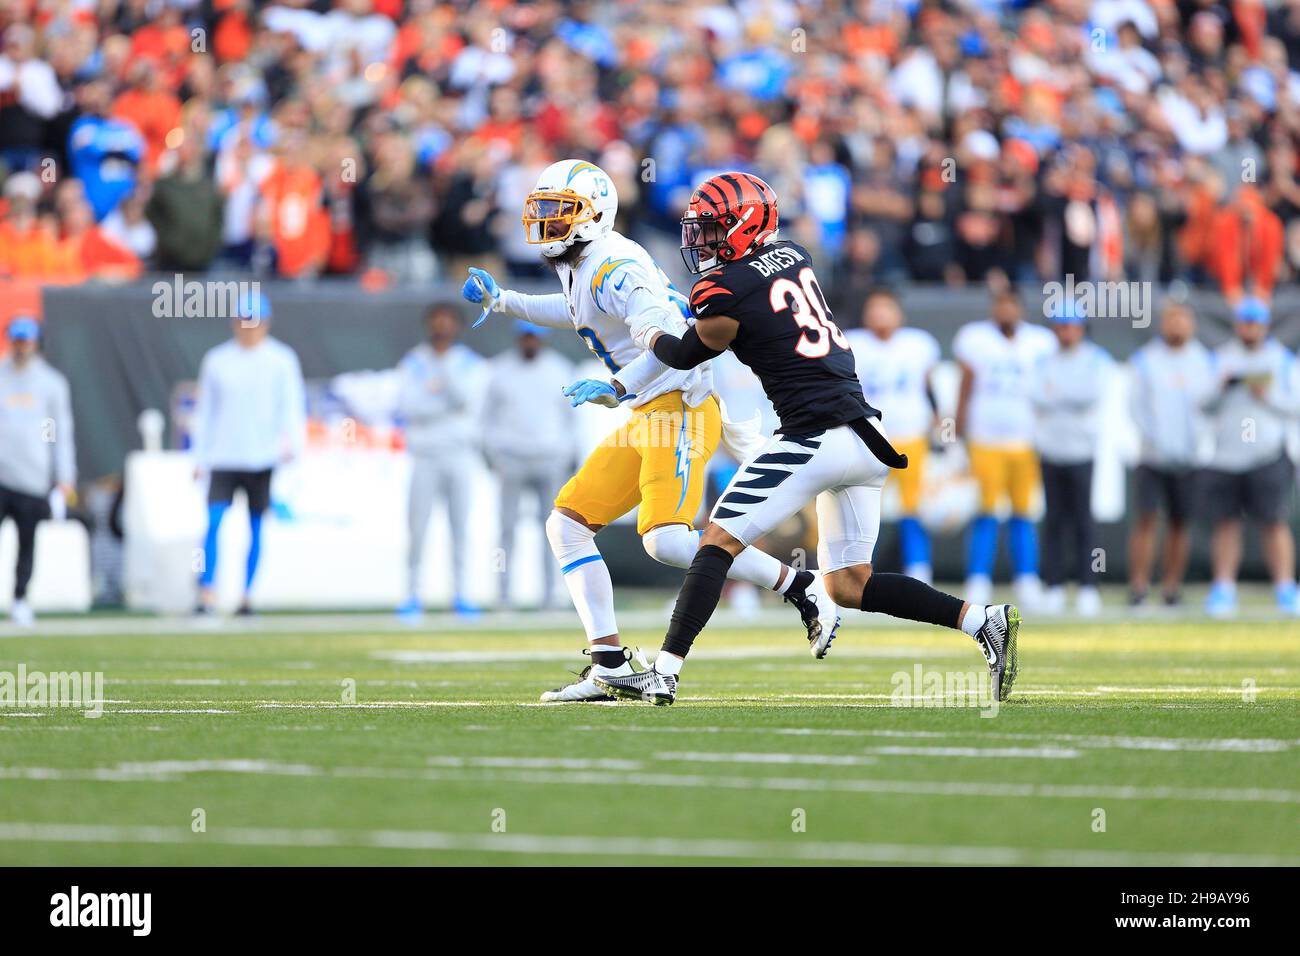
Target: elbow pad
685 352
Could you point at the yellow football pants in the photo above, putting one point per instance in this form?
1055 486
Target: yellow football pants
908 479
656 458
1005 471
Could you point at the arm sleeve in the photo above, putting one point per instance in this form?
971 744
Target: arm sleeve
685 352
549 310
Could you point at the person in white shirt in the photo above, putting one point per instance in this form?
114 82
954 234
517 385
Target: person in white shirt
996 419
895 364
36 448
440 383
1254 405
1171 375
528 438
249 417
1066 392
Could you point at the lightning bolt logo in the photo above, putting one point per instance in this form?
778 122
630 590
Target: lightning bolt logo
602 275
683 463
579 168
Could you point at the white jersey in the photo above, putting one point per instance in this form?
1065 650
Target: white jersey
893 373
605 294
1001 411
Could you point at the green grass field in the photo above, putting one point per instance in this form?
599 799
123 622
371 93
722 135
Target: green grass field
1142 743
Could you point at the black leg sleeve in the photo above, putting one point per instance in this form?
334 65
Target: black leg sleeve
901 596
698 598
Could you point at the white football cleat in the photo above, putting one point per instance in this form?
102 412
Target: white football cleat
997 638
820 616
649 686
585 689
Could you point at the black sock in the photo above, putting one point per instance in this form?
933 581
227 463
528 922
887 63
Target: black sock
698 598
800 586
610 658
900 596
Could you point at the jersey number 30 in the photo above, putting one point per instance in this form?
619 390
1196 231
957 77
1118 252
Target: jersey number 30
810 312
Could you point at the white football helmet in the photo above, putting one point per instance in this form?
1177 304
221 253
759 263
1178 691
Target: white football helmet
573 201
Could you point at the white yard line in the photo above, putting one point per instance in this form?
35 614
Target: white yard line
1101 742
617 847
910 787
174 710
557 771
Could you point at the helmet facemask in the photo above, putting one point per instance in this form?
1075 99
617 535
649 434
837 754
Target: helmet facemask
551 219
703 239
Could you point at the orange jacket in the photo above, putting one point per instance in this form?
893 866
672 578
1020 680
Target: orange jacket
300 228
30 253
153 114
1246 254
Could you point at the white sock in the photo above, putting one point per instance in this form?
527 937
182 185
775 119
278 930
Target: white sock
669 664
760 568
585 574
976 614
676 544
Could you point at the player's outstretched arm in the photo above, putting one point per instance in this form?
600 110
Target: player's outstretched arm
482 289
706 339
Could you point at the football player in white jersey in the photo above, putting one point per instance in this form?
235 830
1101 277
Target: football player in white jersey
995 417
895 363
613 292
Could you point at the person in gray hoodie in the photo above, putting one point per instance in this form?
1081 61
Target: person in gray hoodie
440 382
1066 391
36 447
1254 405
1171 375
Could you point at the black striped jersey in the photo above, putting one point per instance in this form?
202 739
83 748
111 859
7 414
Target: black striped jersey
787 336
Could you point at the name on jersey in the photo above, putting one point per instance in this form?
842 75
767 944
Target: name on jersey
770 263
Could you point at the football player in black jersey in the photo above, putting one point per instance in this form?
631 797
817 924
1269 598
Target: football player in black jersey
758 296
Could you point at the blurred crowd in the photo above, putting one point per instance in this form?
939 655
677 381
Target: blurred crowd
937 140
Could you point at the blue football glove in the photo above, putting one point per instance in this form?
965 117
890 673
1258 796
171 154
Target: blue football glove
481 287
592 390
